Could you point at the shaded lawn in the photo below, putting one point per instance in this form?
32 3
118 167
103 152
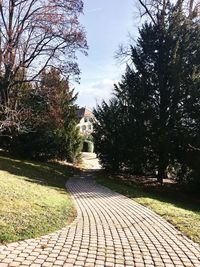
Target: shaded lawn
182 212
33 199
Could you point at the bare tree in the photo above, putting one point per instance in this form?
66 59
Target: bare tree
152 8
14 120
36 34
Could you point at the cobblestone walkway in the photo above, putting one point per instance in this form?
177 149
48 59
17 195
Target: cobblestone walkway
110 230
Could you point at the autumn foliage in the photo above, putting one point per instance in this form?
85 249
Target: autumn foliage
39 40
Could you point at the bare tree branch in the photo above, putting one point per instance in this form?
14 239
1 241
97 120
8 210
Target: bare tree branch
34 31
144 5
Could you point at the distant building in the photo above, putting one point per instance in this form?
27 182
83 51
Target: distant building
86 121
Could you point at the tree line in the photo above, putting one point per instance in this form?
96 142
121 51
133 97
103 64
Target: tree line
151 126
38 45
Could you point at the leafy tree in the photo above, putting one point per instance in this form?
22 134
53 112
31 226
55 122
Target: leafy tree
15 118
34 35
54 133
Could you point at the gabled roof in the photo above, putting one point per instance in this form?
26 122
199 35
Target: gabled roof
84 112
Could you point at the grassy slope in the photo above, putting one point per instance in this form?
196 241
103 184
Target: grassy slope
183 214
33 199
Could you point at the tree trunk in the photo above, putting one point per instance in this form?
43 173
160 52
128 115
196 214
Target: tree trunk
162 166
4 95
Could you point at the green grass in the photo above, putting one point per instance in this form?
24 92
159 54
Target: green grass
184 214
33 199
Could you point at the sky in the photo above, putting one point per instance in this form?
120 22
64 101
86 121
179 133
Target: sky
108 24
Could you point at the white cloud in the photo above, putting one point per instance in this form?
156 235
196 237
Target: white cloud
93 93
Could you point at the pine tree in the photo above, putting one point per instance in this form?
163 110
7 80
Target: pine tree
108 135
158 97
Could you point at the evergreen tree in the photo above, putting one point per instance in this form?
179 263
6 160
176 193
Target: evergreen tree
54 133
107 135
159 95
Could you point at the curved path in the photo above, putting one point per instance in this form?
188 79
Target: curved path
110 230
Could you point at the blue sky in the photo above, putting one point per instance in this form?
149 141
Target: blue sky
108 24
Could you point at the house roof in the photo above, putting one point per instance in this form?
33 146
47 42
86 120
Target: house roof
84 112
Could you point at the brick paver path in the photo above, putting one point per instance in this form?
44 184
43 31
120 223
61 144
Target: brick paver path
110 230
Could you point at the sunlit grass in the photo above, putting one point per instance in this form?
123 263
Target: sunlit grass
182 213
33 199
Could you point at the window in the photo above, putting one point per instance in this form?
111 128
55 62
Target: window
83 127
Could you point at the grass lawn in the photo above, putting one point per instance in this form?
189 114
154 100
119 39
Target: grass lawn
33 199
181 211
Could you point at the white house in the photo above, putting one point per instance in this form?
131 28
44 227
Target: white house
86 120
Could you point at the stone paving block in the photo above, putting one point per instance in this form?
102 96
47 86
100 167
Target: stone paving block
47 264
27 262
7 260
39 261
35 265
13 264
50 259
